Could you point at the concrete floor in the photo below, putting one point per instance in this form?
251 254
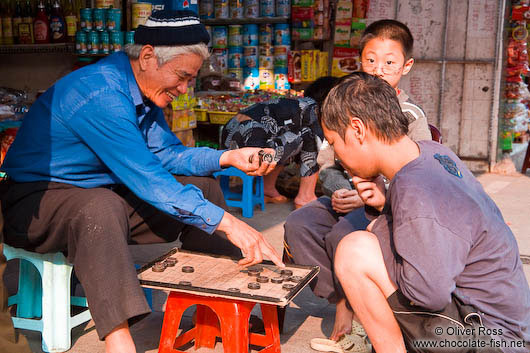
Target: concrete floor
307 316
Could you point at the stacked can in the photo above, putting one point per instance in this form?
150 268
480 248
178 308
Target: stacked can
266 8
235 52
236 8
221 8
250 57
282 43
97 31
206 9
266 68
220 49
210 33
283 8
251 8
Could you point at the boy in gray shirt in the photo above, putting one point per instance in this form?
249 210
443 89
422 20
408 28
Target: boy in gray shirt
438 268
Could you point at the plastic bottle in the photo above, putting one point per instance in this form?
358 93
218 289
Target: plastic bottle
57 24
17 20
71 21
41 26
27 18
7 24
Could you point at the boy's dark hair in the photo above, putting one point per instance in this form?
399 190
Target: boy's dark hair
368 98
389 29
319 89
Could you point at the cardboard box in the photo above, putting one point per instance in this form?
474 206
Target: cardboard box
345 61
323 64
309 65
294 64
344 11
342 34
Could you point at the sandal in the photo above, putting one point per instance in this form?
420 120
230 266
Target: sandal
356 341
275 199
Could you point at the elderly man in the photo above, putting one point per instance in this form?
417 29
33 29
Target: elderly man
92 170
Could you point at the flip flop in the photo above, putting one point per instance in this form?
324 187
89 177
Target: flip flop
276 199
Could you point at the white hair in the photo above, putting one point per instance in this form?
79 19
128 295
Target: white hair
166 53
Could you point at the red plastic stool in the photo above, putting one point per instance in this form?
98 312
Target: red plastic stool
218 317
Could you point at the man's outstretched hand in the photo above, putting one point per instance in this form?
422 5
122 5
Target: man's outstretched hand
251 160
251 242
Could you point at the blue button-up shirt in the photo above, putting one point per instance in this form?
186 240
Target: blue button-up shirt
92 128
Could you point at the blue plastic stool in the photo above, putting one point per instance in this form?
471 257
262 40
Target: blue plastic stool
44 291
251 195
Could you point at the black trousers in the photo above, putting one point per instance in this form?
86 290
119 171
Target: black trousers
94 227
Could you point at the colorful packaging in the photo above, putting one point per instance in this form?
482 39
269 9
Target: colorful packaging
81 42
309 65
305 3
85 19
93 42
266 62
113 19
265 34
251 79
342 34
281 53
280 81
344 11
221 57
266 8
281 34
206 9
236 73
235 58
220 36
266 79
357 28
129 37
221 8
116 41
104 42
235 35
236 8
250 35
345 61
266 50
140 12
283 8
251 8
250 57
294 62
323 64
302 33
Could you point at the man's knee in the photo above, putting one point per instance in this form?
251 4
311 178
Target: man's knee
357 252
101 206
301 222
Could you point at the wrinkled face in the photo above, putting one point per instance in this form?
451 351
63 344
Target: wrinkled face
163 83
384 58
354 156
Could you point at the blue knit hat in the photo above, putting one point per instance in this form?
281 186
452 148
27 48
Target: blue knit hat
166 27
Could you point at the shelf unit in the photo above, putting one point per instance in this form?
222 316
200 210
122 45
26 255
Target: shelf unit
240 21
67 48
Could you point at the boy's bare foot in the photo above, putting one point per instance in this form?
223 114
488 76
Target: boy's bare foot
343 320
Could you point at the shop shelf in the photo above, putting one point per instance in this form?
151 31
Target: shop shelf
241 21
37 48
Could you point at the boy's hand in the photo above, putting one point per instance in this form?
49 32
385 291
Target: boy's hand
251 242
344 200
249 160
371 191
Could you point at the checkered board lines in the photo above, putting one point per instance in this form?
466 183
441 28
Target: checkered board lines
219 276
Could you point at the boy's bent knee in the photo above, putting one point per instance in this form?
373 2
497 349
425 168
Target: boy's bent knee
357 251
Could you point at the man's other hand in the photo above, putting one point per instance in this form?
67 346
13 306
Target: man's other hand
251 242
345 201
248 160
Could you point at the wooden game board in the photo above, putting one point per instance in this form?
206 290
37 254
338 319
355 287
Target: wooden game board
214 275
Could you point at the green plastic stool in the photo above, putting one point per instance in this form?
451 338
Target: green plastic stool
44 291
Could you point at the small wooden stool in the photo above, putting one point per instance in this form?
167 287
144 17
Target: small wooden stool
218 317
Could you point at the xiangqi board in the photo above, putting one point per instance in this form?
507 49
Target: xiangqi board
219 276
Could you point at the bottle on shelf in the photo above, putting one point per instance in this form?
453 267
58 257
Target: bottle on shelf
71 21
7 24
57 24
25 29
41 26
17 20
49 7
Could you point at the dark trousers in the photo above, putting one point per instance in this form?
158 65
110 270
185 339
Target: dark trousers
9 342
94 227
313 233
